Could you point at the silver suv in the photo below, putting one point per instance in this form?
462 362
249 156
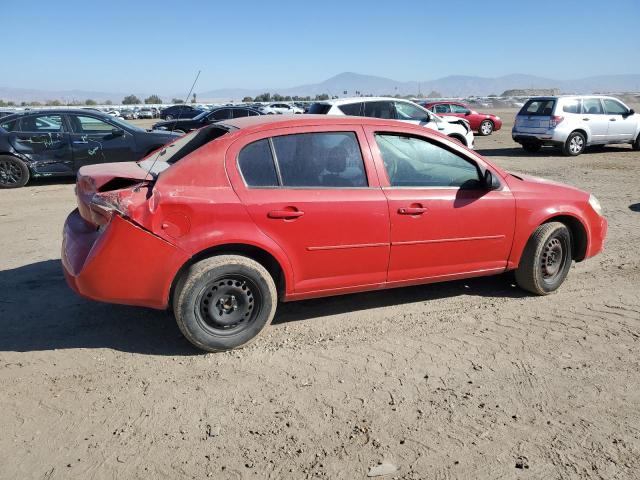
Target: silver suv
575 122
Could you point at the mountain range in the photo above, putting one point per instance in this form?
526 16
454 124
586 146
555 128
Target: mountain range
450 86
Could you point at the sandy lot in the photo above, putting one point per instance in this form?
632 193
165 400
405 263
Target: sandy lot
468 379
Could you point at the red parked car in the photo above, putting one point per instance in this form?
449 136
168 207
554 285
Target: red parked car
230 219
482 123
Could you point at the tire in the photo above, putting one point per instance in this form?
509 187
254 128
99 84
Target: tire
546 259
532 147
486 128
224 302
636 145
14 173
574 145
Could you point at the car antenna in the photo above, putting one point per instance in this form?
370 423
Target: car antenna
164 149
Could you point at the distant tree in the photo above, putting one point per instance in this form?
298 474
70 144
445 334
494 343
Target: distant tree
53 103
2 103
177 100
88 101
108 102
11 104
434 94
247 99
36 104
23 104
130 100
265 97
153 100
193 100
322 96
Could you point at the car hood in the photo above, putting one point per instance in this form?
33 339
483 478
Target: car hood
536 183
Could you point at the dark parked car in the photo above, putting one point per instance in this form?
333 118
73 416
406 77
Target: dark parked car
44 143
206 118
180 111
6 113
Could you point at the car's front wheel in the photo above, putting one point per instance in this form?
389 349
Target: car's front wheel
574 145
546 259
636 145
224 302
486 128
14 173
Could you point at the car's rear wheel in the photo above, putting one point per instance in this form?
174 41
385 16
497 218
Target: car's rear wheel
574 145
224 302
531 147
486 128
14 173
546 259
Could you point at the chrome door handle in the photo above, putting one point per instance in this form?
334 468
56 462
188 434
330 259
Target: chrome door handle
612 119
586 119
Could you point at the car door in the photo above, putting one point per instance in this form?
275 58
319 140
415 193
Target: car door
410 113
461 111
597 121
444 222
96 140
622 126
315 192
44 139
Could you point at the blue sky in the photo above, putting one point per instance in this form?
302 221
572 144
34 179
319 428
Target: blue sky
158 46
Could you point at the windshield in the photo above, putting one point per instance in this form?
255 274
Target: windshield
201 115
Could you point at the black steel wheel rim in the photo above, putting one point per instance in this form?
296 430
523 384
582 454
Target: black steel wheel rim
10 172
228 305
553 258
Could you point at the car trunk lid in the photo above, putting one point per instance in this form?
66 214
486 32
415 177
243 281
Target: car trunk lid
535 116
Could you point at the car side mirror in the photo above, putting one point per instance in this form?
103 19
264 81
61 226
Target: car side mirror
117 132
487 180
631 112
468 112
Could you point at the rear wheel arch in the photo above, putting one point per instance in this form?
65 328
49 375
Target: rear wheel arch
260 255
586 135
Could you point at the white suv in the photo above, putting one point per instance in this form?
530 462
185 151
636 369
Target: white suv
397 109
280 108
575 122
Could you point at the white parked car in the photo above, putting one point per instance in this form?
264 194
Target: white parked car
398 109
280 108
145 112
575 122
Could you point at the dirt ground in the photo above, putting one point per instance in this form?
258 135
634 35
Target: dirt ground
467 379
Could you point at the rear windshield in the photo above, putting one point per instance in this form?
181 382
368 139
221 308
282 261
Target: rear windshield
183 146
319 108
540 107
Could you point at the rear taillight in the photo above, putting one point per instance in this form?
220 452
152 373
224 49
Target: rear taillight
555 121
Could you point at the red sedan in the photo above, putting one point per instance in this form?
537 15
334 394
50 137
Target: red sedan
482 123
232 218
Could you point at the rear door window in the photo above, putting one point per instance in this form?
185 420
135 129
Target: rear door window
459 109
379 110
353 109
571 106
41 123
406 111
592 106
317 160
538 107
9 126
222 114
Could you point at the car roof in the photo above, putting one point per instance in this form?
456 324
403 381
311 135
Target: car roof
277 121
343 101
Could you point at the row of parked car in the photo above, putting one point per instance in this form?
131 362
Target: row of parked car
37 143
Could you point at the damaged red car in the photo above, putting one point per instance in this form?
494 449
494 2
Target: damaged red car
228 220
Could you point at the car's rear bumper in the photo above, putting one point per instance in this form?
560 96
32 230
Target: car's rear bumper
122 264
541 138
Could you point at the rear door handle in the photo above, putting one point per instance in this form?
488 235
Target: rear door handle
286 214
612 119
411 210
586 119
